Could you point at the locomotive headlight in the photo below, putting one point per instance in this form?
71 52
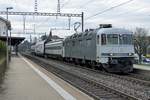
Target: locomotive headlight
131 54
111 54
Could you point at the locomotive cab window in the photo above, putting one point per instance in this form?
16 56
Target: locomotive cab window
126 39
103 39
98 39
112 39
64 44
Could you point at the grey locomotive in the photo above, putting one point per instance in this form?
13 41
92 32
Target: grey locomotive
106 48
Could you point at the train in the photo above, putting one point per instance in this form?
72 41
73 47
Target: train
106 48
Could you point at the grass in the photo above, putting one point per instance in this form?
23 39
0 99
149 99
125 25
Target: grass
3 67
2 50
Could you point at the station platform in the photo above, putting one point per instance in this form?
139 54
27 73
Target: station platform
25 80
142 67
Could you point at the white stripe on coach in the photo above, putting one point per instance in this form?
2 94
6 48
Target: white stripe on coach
59 89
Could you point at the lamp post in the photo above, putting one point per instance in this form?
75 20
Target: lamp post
7 56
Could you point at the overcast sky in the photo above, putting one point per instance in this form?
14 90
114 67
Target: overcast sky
133 14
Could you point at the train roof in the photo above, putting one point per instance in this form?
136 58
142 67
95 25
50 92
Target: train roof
99 31
55 41
114 30
80 35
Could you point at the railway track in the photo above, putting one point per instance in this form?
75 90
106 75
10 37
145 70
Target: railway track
141 74
93 84
136 78
135 81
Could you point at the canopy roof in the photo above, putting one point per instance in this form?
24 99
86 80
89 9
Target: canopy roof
14 40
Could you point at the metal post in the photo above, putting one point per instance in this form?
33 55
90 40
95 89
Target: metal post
24 23
10 45
69 22
34 24
7 55
17 49
7 40
30 38
82 19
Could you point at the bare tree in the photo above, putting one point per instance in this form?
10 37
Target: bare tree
140 42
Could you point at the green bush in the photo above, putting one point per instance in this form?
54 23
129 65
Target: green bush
2 49
3 66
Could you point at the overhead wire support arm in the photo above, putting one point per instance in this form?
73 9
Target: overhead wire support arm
47 14
41 14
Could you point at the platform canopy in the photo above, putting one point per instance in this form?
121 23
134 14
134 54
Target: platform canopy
14 40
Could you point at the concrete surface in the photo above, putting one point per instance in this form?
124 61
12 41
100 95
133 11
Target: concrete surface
26 80
143 67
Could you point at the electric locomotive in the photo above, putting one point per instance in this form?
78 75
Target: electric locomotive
107 48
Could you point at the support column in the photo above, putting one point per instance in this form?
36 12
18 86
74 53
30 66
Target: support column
82 19
16 49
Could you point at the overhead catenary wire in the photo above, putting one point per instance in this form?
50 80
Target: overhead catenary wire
129 12
119 5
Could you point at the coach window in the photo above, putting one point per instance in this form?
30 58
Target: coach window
103 39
